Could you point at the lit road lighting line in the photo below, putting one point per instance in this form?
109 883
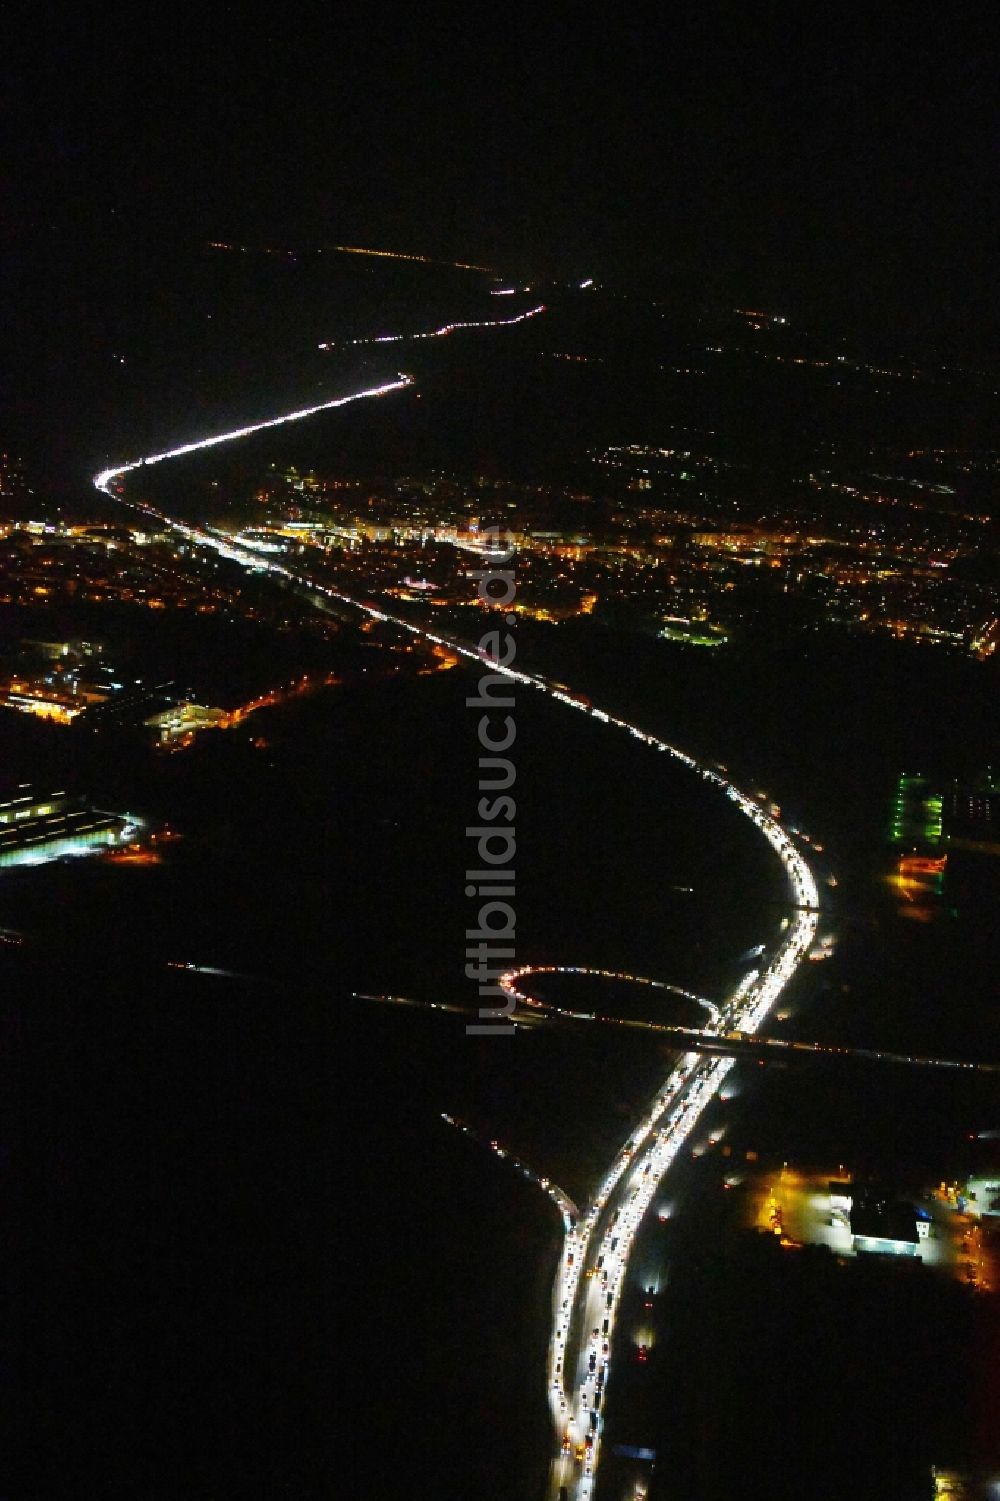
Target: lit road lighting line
734 1041
424 1005
436 333
103 480
507 984
399 255
738 1043
563 1202
405 1000
387 255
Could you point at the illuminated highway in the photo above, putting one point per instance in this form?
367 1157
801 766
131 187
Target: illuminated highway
593 1265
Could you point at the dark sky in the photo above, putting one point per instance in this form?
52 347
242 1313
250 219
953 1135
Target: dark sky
826 158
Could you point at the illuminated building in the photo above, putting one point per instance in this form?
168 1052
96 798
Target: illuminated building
178 723
127 707
184 719
963 1486
983 1196
25 807
36 829
53 650
910 865
750 540
45 703
916 812
695 633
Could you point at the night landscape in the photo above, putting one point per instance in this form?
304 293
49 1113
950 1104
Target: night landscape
500 757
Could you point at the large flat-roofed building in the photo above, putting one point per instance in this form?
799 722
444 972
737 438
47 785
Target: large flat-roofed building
37 828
